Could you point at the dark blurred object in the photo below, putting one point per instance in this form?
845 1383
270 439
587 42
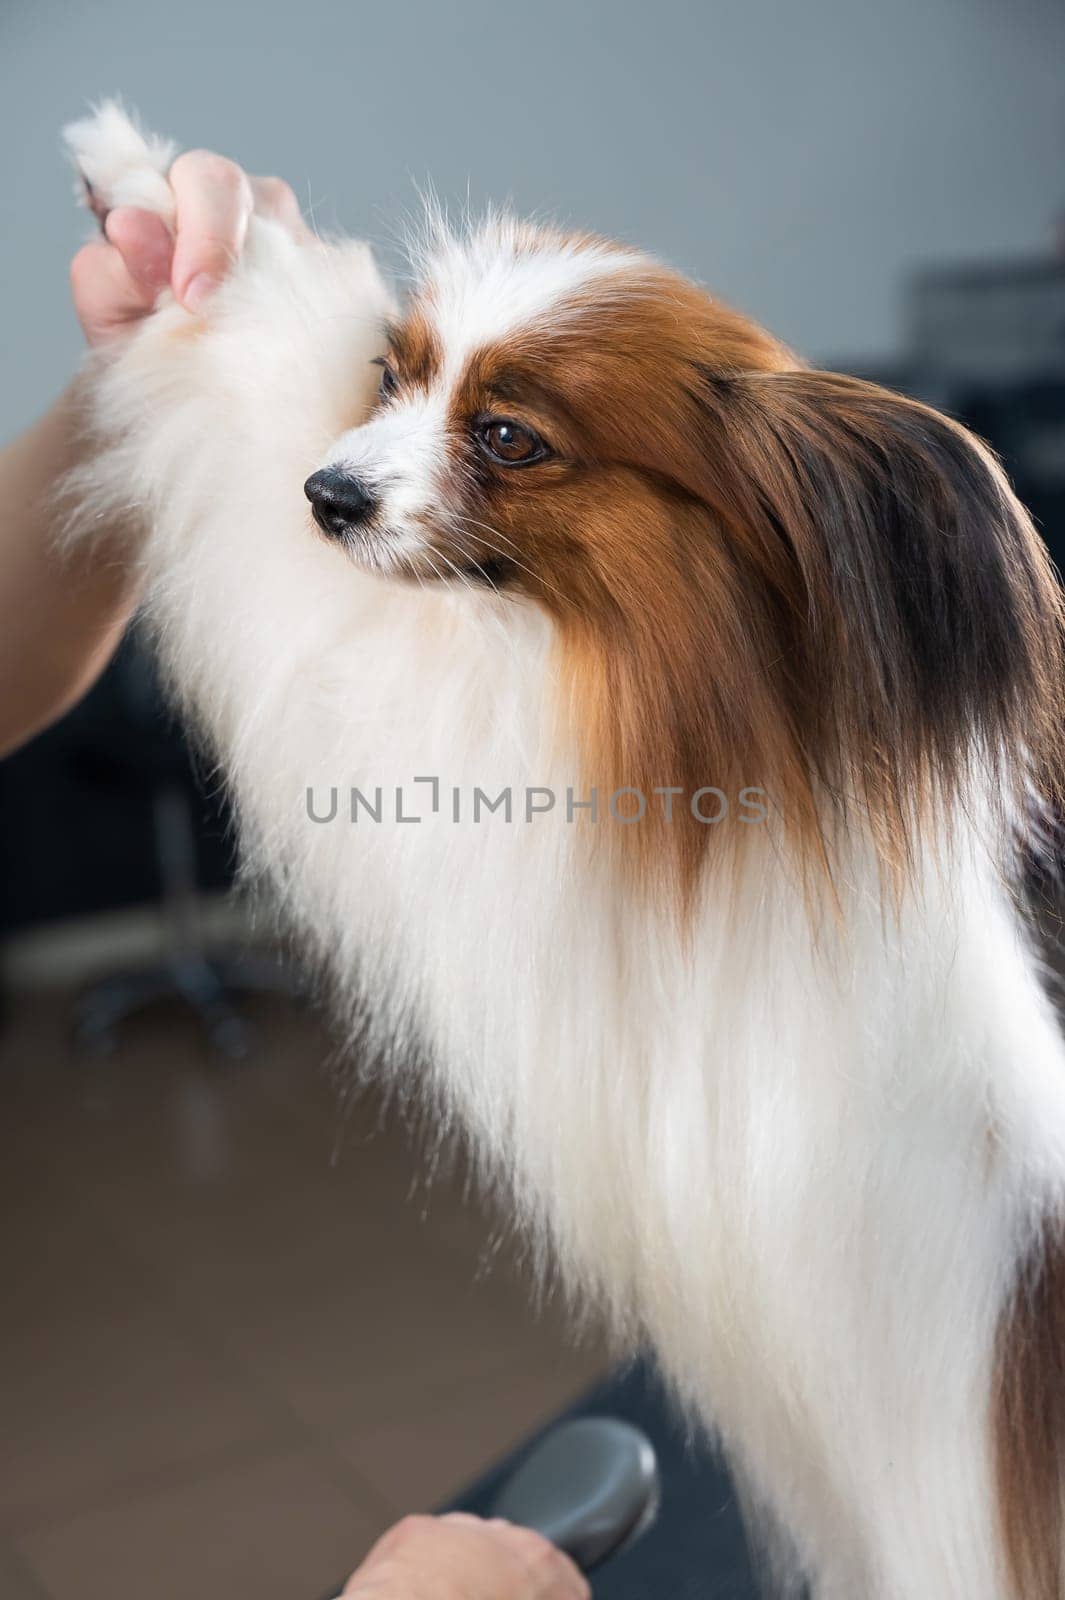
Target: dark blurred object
105 811
696 1546
1025 422
206 977
78 832
989 327
988 345
207 980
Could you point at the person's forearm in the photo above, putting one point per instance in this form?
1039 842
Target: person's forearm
61 616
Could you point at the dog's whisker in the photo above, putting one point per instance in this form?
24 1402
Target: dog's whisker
506 555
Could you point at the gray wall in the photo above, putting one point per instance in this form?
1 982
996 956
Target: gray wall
797 155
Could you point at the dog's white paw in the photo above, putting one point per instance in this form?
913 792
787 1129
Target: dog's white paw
119 164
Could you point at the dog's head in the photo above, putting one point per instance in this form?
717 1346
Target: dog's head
538 400
760 573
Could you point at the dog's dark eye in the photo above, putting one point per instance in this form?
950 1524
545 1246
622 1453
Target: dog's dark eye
510 443
389 384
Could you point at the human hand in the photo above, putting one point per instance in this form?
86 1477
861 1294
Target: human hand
459 1557
116 279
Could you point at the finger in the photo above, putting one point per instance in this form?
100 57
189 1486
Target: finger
145 244
214 201
106 296
274 198
402 1532
552 1572
556 1578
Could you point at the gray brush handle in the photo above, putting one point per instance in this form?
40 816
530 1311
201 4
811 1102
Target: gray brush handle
590 1486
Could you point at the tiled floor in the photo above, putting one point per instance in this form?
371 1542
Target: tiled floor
237 1336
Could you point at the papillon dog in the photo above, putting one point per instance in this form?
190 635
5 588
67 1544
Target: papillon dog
647 733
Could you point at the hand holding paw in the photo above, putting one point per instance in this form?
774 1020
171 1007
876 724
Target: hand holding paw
117 278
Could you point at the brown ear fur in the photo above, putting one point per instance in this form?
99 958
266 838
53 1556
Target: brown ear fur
904 621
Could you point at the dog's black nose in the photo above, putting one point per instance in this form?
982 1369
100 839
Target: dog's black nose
339 502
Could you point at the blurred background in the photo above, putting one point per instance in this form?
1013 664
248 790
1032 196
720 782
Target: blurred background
241 1330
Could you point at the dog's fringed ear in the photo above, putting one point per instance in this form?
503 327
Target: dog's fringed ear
920 621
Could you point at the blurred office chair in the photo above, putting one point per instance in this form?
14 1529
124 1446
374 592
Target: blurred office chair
210 978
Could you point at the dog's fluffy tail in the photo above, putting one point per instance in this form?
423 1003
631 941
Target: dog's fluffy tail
119 164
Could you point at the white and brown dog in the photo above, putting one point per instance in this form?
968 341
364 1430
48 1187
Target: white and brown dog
717 689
